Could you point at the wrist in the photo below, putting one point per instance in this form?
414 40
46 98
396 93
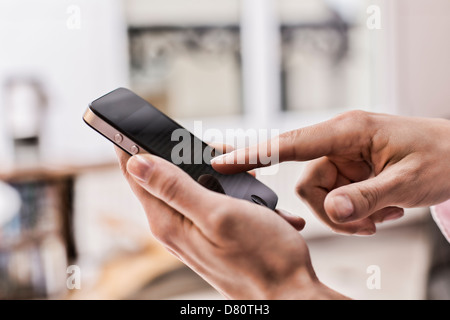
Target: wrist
304 285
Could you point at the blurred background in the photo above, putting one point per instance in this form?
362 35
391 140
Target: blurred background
261 64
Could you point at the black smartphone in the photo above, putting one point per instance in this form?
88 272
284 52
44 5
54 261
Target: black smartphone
136 126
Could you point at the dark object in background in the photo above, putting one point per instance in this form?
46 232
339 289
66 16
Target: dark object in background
37 243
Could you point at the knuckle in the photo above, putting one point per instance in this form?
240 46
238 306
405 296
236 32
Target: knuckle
163 233
289 136
302 188
287 140
169 189
354 117
404 181
396 181
311 180
223 223
370 196
413 170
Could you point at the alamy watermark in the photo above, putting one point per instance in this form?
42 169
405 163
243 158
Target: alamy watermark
73 21
74 279
374 280
374 19
254 146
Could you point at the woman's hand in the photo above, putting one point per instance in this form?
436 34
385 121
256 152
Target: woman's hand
244 250
366 167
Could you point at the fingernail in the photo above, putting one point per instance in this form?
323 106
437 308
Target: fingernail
218 159
140 167
393 215
343 207
366 232
227 158
287 213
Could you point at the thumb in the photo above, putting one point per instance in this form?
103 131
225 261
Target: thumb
359 200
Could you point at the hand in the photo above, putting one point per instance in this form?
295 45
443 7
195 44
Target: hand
244 250
367 167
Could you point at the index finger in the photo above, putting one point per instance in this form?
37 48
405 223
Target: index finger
322 139
301 144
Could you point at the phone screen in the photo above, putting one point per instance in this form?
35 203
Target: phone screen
154 131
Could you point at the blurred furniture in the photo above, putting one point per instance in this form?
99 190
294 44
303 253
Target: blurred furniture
37 243
26 102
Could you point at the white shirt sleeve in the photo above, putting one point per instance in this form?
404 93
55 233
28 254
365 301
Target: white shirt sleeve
441 215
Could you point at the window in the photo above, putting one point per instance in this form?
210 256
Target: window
185 56
325 55
271 63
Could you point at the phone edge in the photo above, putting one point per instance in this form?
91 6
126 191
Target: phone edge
110 133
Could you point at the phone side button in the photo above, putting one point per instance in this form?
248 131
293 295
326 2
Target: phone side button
134 149
118 138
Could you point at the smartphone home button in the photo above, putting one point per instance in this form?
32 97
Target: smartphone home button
134 149
258 200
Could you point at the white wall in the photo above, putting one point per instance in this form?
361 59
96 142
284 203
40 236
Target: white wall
423 57
77 66
182 12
